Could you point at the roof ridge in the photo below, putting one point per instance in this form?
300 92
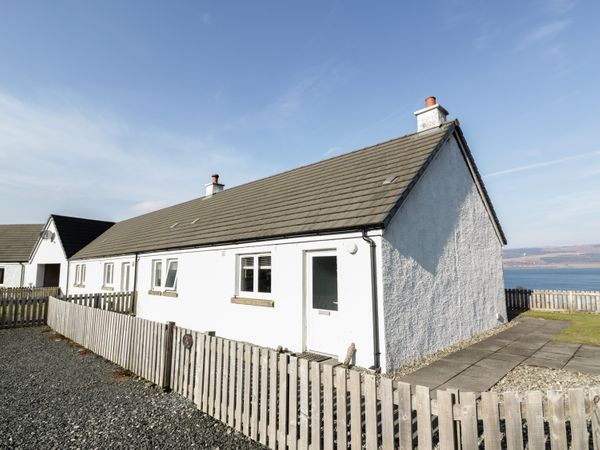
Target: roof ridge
367 147
81 218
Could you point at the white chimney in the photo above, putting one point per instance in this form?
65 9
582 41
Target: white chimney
432 116
214 186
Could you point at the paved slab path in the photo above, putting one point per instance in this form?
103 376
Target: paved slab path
482 365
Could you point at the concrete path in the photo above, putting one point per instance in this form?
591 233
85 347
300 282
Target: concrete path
482 365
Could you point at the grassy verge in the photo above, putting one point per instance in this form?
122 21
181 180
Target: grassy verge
583 329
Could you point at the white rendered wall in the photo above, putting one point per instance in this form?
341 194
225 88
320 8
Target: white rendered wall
442 264
207 279
12 274
47 252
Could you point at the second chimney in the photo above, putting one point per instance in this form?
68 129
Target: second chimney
214 186
432 116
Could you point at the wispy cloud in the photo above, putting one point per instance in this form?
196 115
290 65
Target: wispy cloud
60 158
542 164
544 32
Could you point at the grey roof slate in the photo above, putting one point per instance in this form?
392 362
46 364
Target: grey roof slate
346 192
17 241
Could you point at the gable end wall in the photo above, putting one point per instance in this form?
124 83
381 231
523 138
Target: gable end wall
442 264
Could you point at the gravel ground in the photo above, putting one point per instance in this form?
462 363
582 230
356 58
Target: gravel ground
53 396
529 378
412 367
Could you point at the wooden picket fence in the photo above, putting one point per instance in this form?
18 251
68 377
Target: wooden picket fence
121 302
25 312
135 344
27 293
287 402
549 300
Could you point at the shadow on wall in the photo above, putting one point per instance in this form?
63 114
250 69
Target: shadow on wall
438 219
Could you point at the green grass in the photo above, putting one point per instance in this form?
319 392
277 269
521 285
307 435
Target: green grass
583 329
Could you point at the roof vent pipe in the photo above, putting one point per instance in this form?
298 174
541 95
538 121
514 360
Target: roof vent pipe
214 186
432 116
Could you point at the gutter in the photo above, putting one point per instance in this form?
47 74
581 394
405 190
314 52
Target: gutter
374 301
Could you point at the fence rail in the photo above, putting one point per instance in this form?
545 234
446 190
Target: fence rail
549 300
23 313
121 302
286 402
27 293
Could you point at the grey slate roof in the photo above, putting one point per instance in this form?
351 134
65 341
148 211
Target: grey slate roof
17 241
346 192
75 233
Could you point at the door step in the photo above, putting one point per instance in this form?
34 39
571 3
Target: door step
316 357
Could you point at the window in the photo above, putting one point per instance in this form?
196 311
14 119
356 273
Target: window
156 273
1 275
125 276
324 283
255 274
109 269
79 275
171 279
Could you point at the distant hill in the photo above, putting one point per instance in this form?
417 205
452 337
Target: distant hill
575 257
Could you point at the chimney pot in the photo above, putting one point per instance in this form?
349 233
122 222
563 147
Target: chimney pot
432 116
214 179
430 101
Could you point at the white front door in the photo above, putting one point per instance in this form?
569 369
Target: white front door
125 276
321 315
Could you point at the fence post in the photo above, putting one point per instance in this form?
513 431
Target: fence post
96 301
167 355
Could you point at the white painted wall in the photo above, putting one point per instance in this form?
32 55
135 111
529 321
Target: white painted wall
12 274
47 251
207 280
442 264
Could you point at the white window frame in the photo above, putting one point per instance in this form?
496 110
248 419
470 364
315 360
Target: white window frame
105 281
82 276
125 269
156 287
77 275
254 293
166 274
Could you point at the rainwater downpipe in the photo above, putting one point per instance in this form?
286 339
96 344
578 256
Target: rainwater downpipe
135 276
22 282
374 301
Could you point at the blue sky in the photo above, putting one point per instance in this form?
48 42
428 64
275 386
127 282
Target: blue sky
111 109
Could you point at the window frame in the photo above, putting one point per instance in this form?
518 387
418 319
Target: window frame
105 282
155 286
170 261
76 282
82 276
125 264
255 293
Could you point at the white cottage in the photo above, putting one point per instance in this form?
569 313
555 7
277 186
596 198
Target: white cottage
60 238
395 248
16 244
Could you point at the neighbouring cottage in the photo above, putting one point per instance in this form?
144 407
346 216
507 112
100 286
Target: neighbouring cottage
58 240
16 243
395 248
